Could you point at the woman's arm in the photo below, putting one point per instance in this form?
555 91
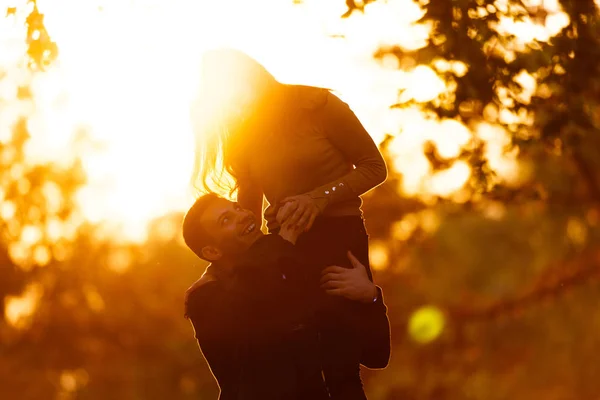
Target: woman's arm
347 134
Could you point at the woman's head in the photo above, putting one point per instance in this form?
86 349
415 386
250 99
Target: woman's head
231 78
232 85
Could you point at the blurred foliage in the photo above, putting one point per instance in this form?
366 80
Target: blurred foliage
492 294
514 265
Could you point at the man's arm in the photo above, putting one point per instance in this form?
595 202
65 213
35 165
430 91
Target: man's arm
277 252
374 327
273 267
371 320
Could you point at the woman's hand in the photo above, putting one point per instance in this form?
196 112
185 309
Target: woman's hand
300 210
290 232
351 283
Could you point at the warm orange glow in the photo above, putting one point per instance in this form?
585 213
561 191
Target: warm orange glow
7 210
526 30
446 182
429 220
502 161
71 381
93 298
577 231
119 260
422 84
19 309
130 90
378 255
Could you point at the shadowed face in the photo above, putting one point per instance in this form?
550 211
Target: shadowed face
233 229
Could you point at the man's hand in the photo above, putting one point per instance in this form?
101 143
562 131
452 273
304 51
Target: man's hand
351 283
290 232
299 210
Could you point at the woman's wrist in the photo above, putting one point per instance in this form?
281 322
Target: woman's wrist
321 202
288 234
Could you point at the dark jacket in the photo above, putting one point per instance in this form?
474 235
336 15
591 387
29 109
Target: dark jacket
255 327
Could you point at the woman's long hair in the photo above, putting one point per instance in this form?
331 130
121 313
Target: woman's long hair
217 124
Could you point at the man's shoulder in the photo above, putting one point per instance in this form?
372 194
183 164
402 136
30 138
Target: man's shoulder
203 287
202 282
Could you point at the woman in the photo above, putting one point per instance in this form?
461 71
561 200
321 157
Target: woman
305 151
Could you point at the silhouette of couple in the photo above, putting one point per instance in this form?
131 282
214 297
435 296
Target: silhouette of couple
291 314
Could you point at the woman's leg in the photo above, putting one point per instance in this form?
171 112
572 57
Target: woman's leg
327 244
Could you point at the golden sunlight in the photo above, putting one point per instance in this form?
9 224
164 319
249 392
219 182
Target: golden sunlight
501 160
378 255
129 89
526 30
19 309
403 229
446 182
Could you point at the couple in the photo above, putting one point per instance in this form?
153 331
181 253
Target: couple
292 314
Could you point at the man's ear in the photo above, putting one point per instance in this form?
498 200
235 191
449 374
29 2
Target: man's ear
212 253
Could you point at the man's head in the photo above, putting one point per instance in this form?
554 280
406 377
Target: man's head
217 229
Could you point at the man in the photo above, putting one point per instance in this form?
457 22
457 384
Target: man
251 312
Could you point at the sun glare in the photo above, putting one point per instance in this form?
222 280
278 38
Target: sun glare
526 30
127 72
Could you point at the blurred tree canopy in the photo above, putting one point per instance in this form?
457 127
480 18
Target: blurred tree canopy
513 265
492 290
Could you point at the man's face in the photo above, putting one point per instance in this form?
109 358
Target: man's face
233 228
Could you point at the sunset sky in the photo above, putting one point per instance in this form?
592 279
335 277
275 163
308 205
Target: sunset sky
127 71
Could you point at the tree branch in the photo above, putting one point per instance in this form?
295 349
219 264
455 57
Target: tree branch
575 273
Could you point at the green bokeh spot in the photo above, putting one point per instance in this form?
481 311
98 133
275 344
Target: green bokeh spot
426 324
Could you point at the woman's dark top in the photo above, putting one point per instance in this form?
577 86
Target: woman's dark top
311 142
